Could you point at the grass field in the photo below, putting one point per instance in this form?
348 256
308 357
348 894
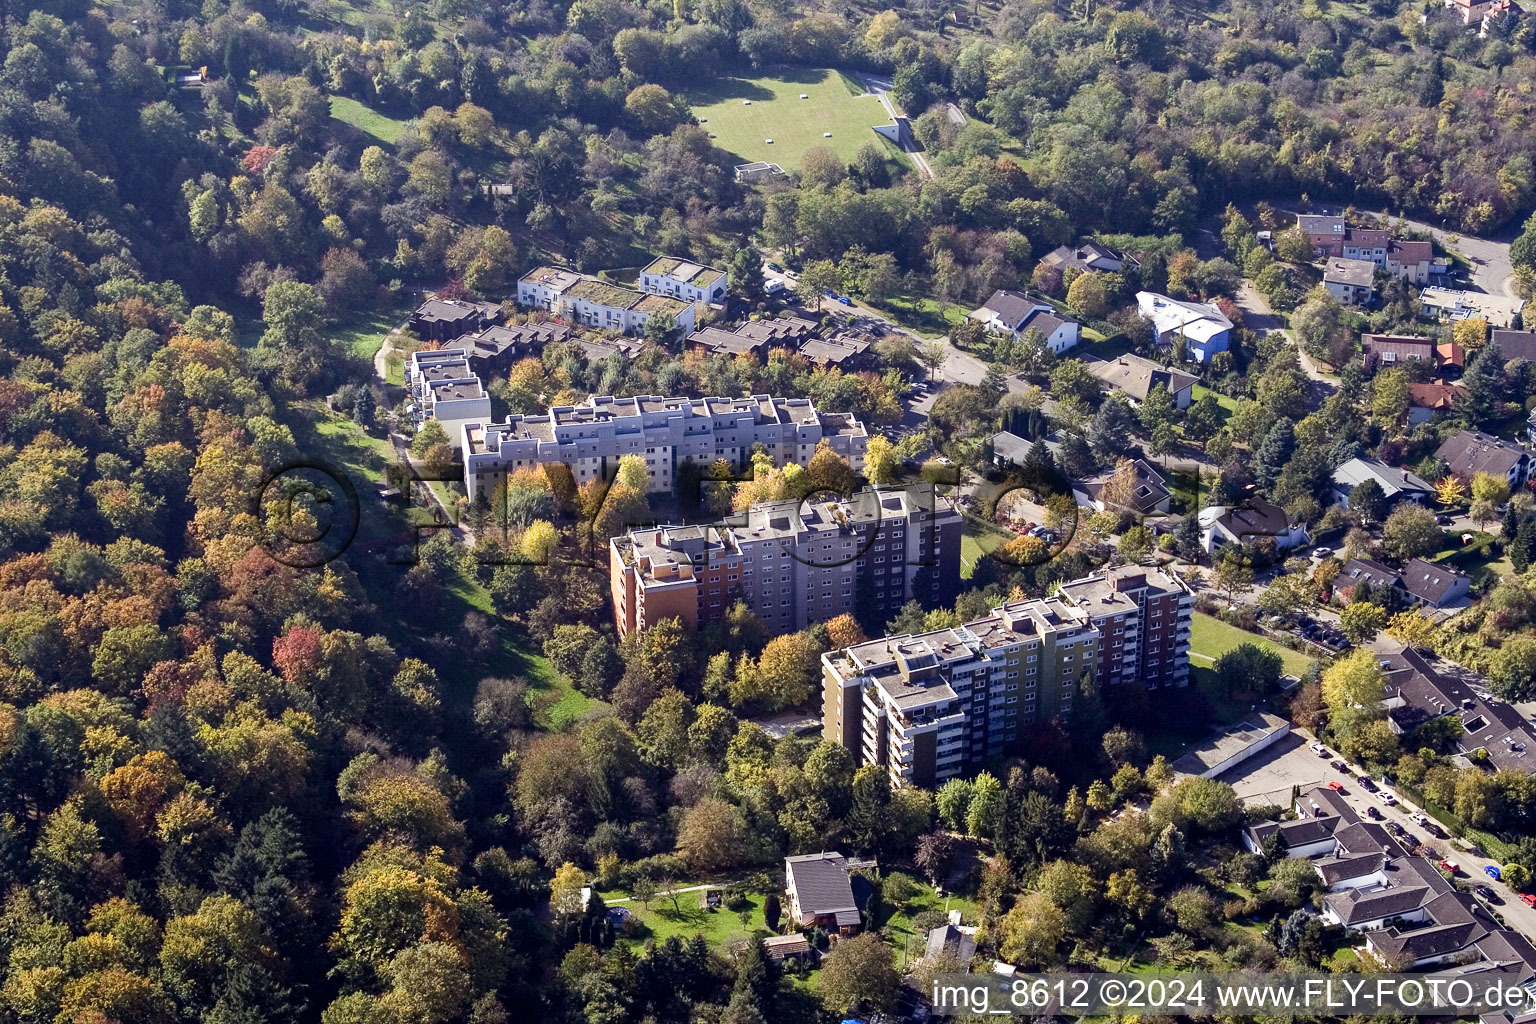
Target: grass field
740 113
364 337
367 120
1210 638
978 541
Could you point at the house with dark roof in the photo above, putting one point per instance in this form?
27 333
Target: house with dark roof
1350 281
1396 484
1014 313
1410 259
1009 449
1421 689
1467 452
1419 582
1516 344
1149 491
1089 255
447 319
1134 377
1255 521
1384 351
820 894
953 940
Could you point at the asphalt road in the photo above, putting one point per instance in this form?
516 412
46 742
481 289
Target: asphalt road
880 86
1269 777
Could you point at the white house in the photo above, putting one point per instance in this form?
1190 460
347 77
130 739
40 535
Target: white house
1252 522
1013 313
1202 325
596 303
444 388
1350 281
1396 484
681 279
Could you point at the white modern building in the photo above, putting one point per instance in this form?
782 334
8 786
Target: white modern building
1202 325
1013 313
599 304
682 279
667 432
444 388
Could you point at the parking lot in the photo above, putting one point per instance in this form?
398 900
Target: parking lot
1269 776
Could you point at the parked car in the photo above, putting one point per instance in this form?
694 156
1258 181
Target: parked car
775 266
845 300
1444 520
1366 783
1314 747
1435 830
1324 752
1373 814
1339 766
1322 552
1394 828
1419 818
1410 841
1387 798
1450 867
1336 786
1492 871
1527 899
1487 895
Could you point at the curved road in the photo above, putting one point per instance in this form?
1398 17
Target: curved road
880 87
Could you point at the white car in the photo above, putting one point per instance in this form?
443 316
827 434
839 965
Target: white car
1315 747
1419 818
1386 798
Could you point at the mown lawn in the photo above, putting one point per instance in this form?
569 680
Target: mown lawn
1210 638
367 120
922 315
364 337
741 114
1227 402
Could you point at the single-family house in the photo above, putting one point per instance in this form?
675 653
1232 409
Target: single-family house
1325 231
1530 427
1471 11
1147 494
1516 344
1256 521
1350 281
1135 377
820 894
1013 313
1089 255
447 319
1396 484
1468 452
1418 582
683 279
1384 351
1410 260
1427 399
951 940
1009 449
1202 325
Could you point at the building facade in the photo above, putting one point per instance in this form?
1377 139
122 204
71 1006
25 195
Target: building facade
683 279
667 432
793 564
927 706
445 388
596 303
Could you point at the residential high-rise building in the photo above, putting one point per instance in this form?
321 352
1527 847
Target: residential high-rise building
927 706
667 432
793 563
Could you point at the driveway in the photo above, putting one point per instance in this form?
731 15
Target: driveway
880 86
1269 778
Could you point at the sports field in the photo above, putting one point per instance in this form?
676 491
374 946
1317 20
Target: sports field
777 112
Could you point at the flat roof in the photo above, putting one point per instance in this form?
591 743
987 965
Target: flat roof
1229 742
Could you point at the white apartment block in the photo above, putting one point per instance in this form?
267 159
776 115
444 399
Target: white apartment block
682 279
595 303
667 432
444 388
930 705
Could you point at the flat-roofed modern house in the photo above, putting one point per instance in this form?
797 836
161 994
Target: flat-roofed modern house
1449 304
596 303
683 279
447 319
1202 325
443 387
667 432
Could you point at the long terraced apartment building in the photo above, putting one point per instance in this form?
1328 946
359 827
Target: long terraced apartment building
667 432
